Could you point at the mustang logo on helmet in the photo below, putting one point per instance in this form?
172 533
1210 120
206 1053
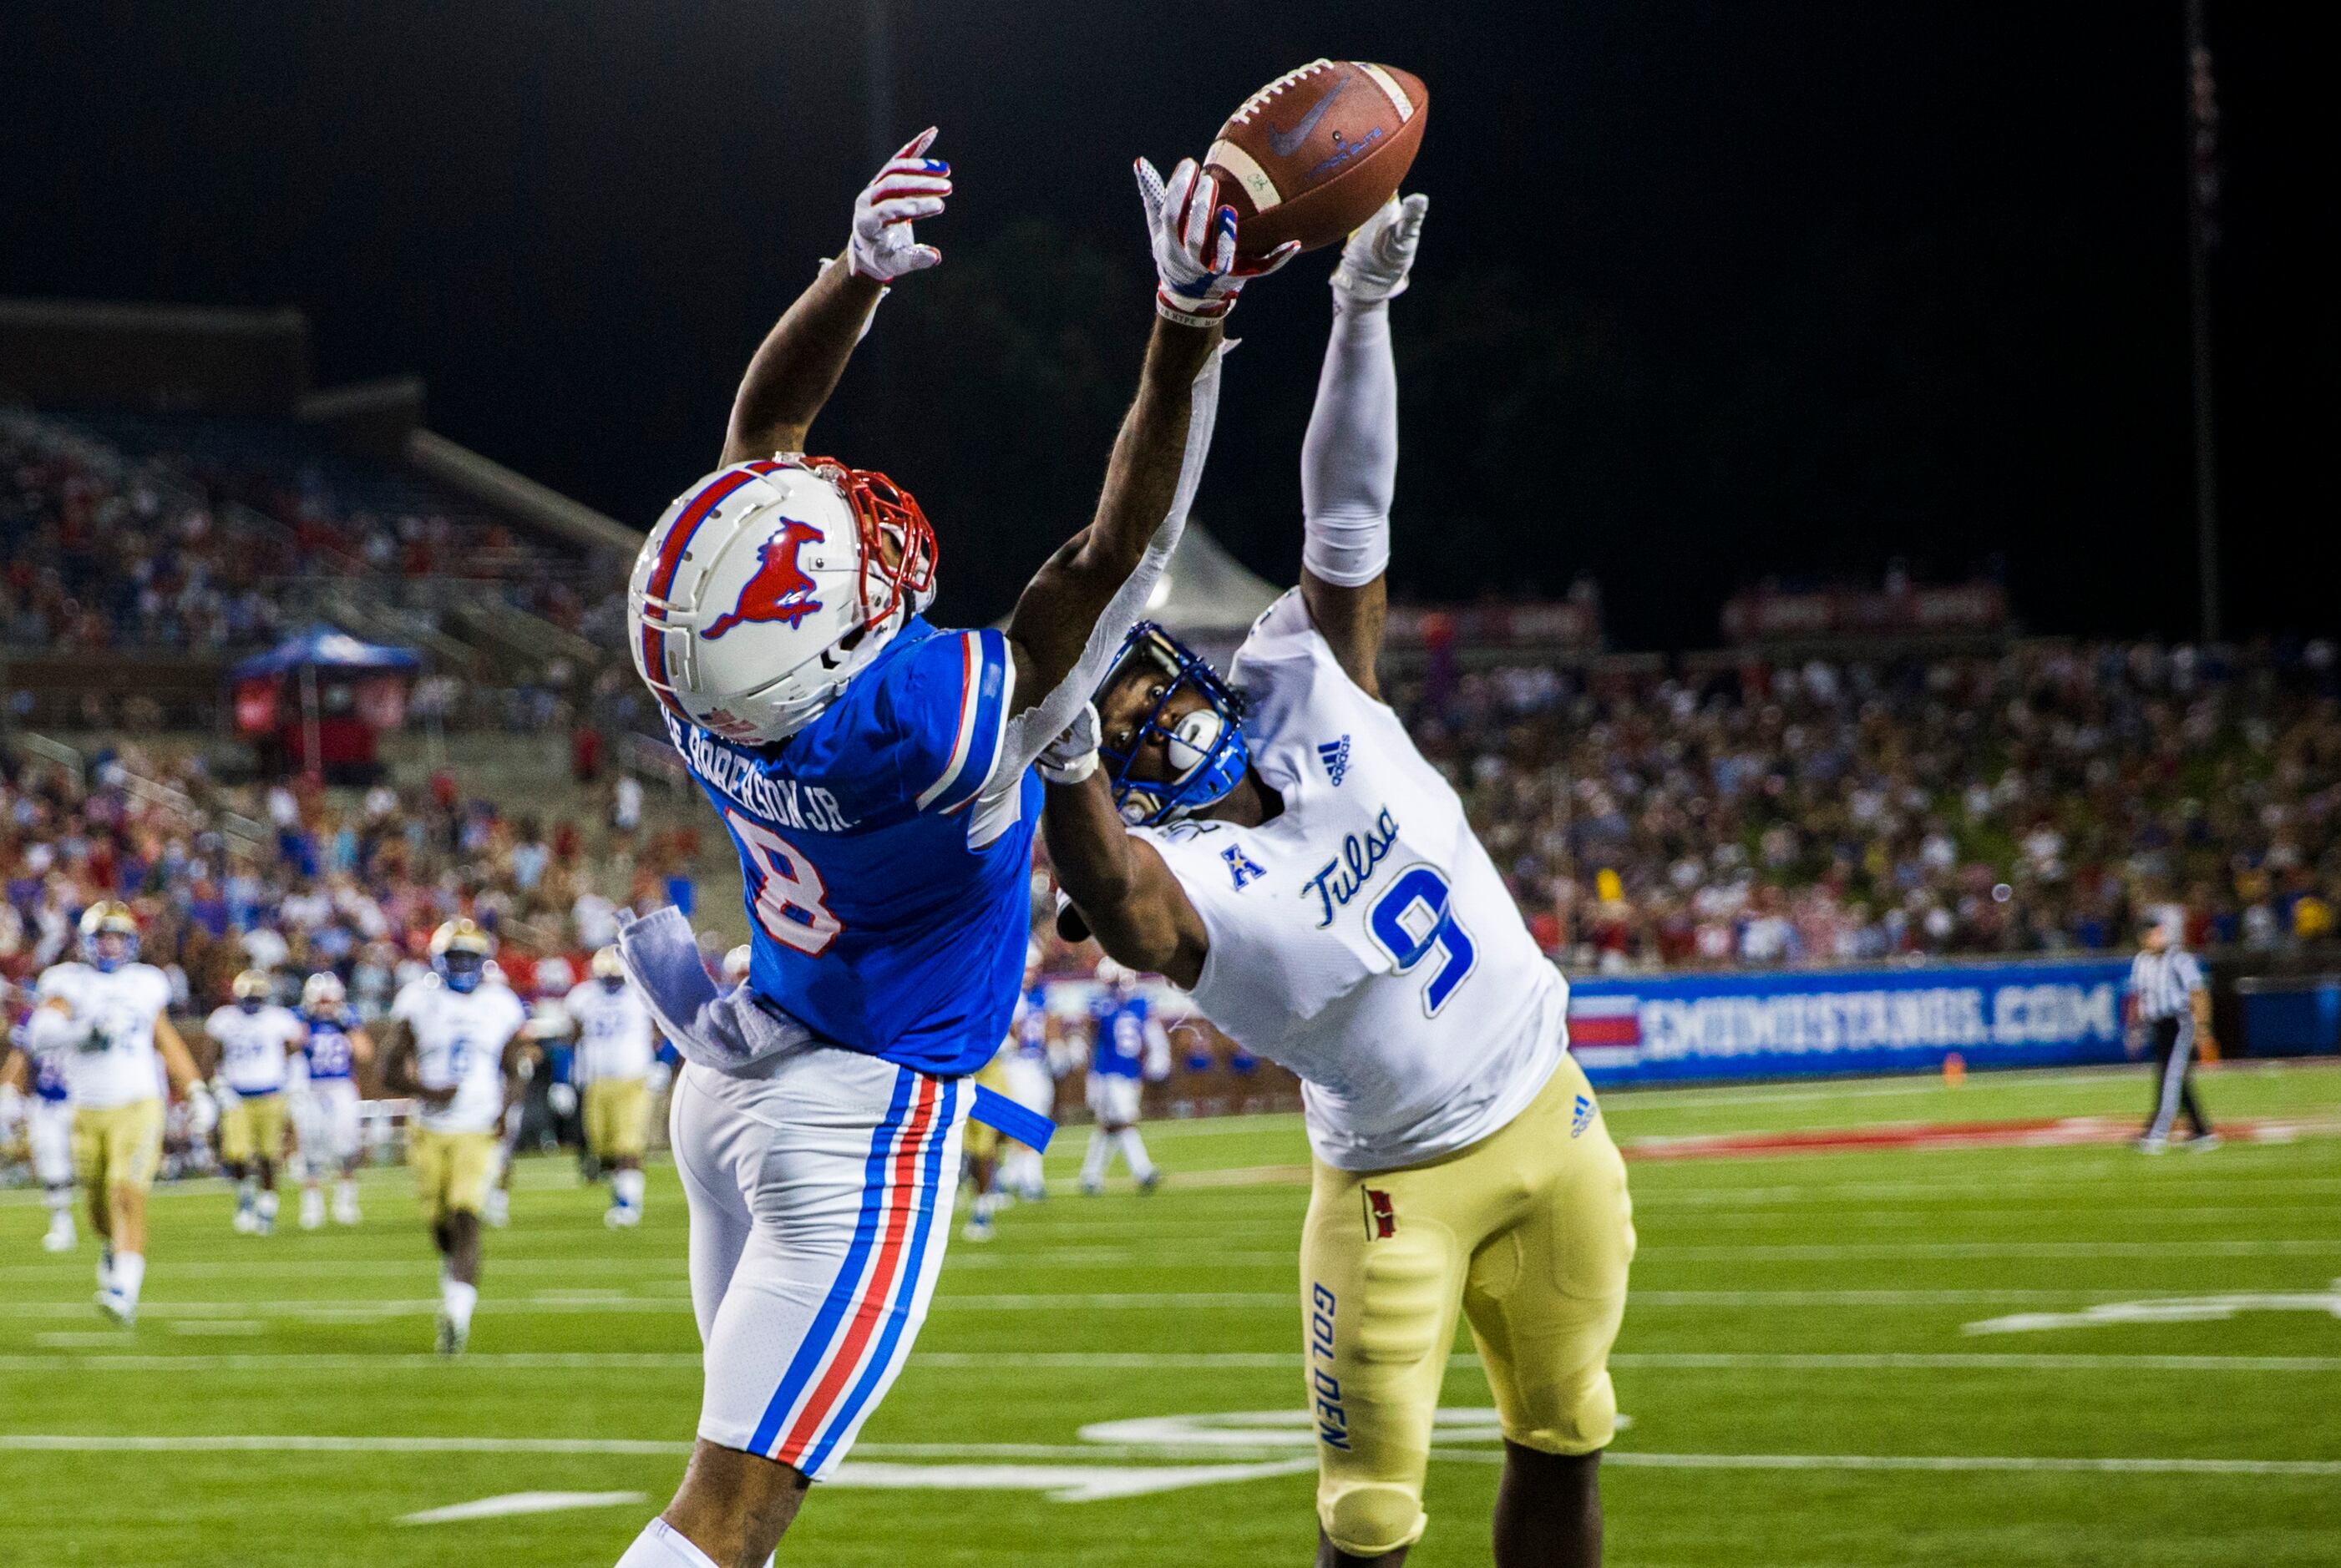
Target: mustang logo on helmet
780 591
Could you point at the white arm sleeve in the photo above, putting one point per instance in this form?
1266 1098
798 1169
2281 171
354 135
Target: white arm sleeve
1349 462
1036 726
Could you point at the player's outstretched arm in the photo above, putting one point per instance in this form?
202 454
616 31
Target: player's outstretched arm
1349 461
798 366
1072 618
1125 894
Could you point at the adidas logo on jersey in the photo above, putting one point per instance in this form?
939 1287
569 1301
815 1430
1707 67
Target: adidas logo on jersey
1335 755
1583 1118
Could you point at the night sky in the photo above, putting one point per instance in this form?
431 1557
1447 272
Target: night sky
1709 292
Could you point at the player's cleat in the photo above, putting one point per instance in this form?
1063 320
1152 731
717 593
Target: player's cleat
313 1209
60 1235
345 1207
497 1211
1150 1181
1092 1186
264 1224
451 1336
2205 1144
246 1223
117 1307
105 1266
622 1217
977 1228
2152 1143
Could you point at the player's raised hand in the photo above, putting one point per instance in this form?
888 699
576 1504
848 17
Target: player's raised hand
910 186
1073 755
1198 271
1380 251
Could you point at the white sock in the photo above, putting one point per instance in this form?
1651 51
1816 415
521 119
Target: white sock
60 1200
129 1274
457 1299
268 1205
627 1188
662 1545
1133 1151
346 1189
244 1187
1099 1153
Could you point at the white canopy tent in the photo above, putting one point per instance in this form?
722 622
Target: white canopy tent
1208 594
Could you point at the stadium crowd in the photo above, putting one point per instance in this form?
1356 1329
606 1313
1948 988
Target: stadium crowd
2030 800
169 542
291 878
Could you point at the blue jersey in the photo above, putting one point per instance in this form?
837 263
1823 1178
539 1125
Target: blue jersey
1030 1032
887 872
1118 1044
328 1049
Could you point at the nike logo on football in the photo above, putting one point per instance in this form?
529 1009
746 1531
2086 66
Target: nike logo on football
1284 143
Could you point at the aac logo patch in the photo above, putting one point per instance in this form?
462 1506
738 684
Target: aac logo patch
1381 1214
1581 1118
1335 755
1241 865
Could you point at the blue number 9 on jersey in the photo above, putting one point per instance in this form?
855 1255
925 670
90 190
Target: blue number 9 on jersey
1413 918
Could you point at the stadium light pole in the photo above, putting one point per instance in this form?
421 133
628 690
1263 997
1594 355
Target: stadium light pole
2202 233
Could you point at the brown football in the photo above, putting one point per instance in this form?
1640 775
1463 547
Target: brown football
1310 156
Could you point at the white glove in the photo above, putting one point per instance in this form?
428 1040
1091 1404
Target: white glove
1073 755
1380 251
203 1111
561 1099
912 185
1194 236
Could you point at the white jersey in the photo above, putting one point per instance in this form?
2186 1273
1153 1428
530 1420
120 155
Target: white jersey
613 1032
253 1045
1362 936
113 1062
459 1041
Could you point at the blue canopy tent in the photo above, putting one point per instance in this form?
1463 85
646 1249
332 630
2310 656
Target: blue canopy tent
322 650
325 647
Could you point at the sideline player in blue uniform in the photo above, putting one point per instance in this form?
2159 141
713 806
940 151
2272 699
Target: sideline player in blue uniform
873 771
1126 1046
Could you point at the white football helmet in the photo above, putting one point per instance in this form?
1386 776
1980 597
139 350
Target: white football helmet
768 585
323 989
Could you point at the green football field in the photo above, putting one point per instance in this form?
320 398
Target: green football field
2054 1354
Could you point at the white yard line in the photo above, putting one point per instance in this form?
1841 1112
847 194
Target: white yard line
63 1443
324 1362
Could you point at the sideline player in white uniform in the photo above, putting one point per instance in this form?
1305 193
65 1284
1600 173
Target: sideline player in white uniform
616 1048
1277 846
325 1115
105 1016
454 1043
46 1113
256 1037
1032 1080
1127 1046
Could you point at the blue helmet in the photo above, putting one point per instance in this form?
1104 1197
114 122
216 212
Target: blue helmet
1207 744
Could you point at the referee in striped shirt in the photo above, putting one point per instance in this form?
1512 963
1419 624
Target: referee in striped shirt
2171 1011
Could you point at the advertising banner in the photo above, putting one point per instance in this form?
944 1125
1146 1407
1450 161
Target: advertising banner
1658 1028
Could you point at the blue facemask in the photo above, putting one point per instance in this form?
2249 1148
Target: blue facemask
1205 745
461 971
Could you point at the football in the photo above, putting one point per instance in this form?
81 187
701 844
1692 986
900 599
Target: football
1310 156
